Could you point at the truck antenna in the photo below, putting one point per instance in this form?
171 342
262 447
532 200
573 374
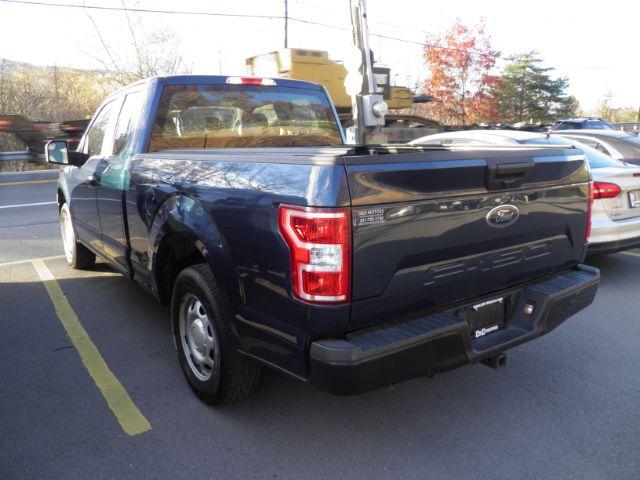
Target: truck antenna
286 23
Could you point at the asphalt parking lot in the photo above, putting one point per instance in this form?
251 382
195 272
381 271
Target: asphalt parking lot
566 406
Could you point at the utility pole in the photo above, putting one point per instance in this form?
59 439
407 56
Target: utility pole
286 23
369 107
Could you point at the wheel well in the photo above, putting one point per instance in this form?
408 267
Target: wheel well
176 253
60 198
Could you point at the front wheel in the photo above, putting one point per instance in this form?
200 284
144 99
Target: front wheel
78 256
201 320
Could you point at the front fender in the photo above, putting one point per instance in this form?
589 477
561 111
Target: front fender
187 216
63 186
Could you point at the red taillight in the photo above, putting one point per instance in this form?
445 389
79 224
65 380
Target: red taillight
266 82
589 208
605 190
319 240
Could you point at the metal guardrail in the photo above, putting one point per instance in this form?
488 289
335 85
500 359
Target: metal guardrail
23 161
21 156
626 126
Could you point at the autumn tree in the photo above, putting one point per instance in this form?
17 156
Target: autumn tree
528 92
461 63
610 113
49 94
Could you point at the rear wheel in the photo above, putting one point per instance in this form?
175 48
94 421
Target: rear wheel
201 327
78 256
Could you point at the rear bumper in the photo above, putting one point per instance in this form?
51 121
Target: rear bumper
435 343
612 247
609 236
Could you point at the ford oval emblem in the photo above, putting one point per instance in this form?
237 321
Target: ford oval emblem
503 216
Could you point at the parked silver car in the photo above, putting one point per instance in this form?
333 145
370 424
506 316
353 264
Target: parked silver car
615 221
615 143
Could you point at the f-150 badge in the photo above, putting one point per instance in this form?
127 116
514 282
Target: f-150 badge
503 216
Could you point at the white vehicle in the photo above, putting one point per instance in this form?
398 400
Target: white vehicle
615 221
618 145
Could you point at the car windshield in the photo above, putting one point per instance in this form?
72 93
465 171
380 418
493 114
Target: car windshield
240 116
595 158
566 126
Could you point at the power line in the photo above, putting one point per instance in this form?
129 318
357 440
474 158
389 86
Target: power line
254 16
236 15
144 10
394 25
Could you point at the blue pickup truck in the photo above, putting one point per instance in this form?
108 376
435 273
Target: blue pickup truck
237 202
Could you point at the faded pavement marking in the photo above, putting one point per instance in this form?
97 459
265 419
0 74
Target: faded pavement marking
131 419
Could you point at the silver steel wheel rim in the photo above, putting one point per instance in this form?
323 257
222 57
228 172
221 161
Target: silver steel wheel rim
199 341
68 236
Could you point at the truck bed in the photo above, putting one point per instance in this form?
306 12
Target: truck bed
420 235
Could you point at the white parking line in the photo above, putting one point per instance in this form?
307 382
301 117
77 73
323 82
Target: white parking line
27 205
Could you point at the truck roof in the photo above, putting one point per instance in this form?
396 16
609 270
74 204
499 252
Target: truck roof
215 79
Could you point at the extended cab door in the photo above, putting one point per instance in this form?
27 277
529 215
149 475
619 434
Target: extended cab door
84 208
112 180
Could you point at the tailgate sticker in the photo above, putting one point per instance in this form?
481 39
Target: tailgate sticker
370 216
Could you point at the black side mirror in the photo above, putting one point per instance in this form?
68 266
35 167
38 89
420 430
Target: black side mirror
57 152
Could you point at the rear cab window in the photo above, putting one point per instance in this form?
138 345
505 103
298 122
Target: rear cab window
243 116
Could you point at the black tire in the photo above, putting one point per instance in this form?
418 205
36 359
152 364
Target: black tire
78 256
233 376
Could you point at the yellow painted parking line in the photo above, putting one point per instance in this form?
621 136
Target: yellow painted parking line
633 254
26 182
131 419
30 260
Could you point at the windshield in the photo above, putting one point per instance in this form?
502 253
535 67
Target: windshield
595 158
242 116
565 126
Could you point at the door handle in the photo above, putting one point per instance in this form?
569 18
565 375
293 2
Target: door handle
508 174
93 179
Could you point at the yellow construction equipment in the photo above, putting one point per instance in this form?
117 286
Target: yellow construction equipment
316 66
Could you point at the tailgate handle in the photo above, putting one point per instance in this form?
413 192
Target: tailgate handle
508 174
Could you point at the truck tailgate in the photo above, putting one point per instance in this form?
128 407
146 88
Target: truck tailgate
427 230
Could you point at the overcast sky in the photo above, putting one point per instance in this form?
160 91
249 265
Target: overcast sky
595 44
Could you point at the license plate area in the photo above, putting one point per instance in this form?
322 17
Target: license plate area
634 198
486 317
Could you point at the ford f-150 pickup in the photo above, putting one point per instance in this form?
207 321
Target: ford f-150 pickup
237 202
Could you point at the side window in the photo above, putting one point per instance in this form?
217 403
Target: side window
96 134
127 122
591 143
601 148
464 141
432 143
585 141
